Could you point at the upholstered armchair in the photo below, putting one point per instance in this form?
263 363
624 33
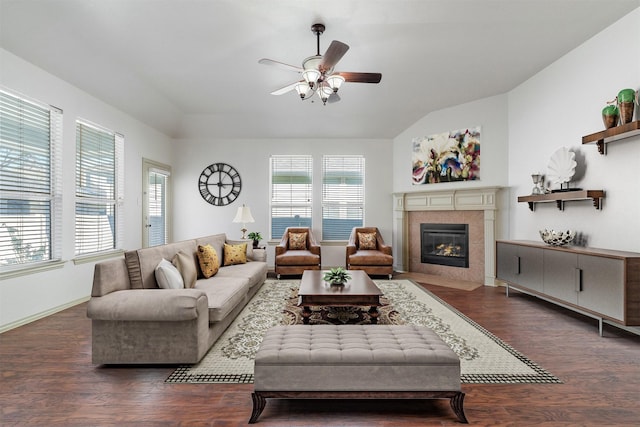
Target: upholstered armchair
367 251
297 252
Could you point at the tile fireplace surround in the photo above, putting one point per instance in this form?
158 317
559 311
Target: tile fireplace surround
476 207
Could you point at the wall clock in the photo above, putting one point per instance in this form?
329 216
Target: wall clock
219 184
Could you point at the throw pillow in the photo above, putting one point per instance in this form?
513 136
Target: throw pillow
298 241
208 260
167 276
187 267
367 241
235 254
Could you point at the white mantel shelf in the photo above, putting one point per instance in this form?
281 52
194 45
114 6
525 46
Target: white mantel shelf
477 199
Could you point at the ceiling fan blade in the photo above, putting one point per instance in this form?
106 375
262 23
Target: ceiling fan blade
334 53
334 97
285 89
360 77
282 65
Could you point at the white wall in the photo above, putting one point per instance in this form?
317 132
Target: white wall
194 217
28 297
489 113
556 108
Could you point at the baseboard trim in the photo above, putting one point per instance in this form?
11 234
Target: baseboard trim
42 315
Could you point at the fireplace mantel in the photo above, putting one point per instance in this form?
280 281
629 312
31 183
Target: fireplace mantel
474 199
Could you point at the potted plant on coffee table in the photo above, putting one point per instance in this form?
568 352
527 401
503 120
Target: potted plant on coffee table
336 276
256 237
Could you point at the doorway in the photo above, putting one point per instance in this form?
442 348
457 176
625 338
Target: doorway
156 203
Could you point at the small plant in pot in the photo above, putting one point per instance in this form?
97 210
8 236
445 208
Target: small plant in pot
256 237
336 276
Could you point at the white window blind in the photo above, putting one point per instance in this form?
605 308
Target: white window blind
30 181
291 193
99 188
342 196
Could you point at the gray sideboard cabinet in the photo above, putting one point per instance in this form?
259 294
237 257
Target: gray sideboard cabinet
603 284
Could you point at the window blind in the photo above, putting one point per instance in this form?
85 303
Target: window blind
342 196
291 193
30 181
99 187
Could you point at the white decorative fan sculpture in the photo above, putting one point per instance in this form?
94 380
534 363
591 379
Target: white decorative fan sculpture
562 166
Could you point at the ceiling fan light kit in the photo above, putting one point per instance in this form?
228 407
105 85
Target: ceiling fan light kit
317 72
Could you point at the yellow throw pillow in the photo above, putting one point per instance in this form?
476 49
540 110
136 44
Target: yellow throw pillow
235 254
298 241
367 241
208 260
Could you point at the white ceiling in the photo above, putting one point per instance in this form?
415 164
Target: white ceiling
190 67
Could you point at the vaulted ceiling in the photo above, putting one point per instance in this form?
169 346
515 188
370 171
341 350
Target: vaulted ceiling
190 67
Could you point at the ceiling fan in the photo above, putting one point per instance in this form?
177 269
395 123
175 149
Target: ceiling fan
318 76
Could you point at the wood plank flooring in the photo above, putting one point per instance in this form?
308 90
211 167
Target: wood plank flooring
47 379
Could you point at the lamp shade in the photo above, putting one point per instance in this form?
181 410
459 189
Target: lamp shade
335 82
243 215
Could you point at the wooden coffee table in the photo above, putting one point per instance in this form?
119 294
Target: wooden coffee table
359 290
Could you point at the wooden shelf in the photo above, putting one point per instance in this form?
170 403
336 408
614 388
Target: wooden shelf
563 196
619 132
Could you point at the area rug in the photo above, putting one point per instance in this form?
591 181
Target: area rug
484 357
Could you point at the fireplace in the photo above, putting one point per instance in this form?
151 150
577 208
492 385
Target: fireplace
445 244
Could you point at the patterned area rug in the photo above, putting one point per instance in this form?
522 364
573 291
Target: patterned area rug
484 357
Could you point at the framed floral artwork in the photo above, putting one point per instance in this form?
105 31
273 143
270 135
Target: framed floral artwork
446 157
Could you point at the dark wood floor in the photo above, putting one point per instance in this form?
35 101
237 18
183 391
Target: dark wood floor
47 379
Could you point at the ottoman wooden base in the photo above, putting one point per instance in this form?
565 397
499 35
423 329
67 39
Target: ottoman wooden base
456 398
355 362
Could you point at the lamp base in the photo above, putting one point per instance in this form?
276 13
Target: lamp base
244 230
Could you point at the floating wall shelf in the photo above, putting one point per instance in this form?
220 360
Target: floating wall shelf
564 196
613 134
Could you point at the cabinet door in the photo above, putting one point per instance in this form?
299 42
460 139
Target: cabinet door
519 265
561 275
602 285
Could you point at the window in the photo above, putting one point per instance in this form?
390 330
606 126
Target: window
291 193
342 196
30 181
99 187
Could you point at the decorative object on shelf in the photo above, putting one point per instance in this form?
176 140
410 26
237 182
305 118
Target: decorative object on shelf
538 181
562 167
446 157
610 116
243 216
256 237
557 238
626 99
336 276
219 184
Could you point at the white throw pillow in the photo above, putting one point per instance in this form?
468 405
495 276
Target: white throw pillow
168 276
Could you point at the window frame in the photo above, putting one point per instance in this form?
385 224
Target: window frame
352 201
301 167
29 116
92 201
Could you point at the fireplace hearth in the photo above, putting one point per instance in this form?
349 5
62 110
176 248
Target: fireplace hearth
445 244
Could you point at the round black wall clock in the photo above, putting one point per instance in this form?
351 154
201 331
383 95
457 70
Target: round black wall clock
219 184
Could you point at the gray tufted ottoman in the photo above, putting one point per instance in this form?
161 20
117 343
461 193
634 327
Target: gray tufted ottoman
355 361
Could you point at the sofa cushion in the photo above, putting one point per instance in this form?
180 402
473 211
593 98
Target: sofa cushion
187 268
235 254
370 258
298 258
297 241
208 260
254 271
142 263
146 305
367 241
168 276
223 293
217 243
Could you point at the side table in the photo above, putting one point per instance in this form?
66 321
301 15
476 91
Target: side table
260 254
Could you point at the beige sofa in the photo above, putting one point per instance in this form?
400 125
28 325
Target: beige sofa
136 322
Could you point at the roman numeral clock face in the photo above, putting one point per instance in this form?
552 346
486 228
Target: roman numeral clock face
219 184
